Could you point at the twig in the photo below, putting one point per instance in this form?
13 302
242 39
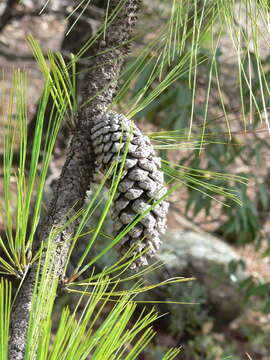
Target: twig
79 166
7 14
187 224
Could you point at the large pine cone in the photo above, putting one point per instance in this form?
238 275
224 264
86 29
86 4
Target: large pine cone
141 185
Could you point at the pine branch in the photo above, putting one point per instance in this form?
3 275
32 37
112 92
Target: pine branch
79 166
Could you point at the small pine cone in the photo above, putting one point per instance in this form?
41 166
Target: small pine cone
141 185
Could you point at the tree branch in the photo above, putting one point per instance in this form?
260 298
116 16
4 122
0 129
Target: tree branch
7 13
79 166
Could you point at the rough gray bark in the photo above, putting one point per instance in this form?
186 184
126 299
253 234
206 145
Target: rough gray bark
79 166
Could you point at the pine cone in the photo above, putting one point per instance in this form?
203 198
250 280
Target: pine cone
142 183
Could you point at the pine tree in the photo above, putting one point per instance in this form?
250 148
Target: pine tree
103 141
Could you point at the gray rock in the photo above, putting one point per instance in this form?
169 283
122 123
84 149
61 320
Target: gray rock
199 250
208 259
